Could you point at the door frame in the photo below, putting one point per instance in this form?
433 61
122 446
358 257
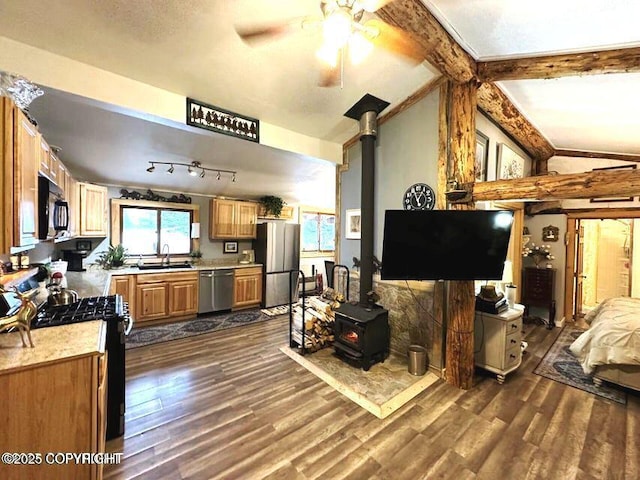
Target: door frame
570 242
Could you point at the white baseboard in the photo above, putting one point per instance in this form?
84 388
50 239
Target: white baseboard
560 324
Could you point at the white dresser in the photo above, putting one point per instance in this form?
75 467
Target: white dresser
497 340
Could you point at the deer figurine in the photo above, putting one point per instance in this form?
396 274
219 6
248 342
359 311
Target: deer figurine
22 318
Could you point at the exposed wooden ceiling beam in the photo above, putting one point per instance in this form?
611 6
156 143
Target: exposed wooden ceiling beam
594 184
623 60
609 156
500 108
440 49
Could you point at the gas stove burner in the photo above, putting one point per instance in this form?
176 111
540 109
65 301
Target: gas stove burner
84 310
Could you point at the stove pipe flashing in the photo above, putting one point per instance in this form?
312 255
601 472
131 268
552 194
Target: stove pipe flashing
366 111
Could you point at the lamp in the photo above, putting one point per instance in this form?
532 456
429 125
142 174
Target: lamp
509 288
194 169
195 230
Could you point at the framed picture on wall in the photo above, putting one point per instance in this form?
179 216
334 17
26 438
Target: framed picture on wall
482 156
613 199
510 164
352 224
230 247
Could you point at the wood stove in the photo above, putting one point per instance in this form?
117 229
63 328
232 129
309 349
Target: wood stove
361 334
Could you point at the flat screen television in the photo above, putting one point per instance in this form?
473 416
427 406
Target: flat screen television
445 244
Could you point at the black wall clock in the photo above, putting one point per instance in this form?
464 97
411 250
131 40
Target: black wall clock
419 196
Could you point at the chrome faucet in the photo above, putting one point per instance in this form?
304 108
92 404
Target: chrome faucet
167 257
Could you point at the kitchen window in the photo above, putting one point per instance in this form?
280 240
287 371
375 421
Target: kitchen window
318 232
145 230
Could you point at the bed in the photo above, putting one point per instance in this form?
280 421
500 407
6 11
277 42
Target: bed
610 348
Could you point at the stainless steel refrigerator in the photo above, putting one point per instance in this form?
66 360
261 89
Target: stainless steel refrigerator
277 247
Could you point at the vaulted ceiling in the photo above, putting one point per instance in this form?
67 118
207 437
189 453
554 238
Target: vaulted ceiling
196 52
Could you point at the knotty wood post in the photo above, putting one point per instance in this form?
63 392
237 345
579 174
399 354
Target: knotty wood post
461 301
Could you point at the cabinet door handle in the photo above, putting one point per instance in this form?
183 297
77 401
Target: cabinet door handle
513 341
514 326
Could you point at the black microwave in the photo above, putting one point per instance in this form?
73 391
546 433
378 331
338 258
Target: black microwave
53 211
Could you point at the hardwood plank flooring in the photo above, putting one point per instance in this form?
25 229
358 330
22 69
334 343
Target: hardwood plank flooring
229 405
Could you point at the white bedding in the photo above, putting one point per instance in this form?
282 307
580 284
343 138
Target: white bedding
613 336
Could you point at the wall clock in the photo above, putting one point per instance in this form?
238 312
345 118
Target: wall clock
419 196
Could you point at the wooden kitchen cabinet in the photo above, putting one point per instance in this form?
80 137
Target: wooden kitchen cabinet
162 296
93 208
54 167
25 181
247 287
124 285
232 219
57 407
43 163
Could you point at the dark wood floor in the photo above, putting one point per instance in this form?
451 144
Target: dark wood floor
229 405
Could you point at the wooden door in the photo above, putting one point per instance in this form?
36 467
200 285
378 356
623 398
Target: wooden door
26 162
53 167
62 178
222 218
124 285
93 210
101 412
183 298
247 288
71 196
247 215
579 271
43 165
151 301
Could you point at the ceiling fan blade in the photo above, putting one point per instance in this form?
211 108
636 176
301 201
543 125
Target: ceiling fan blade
396 40
256 33
373 5
329 76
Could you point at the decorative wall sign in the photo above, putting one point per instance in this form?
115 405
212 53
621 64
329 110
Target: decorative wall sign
614 199
352 224
550 234
482 156
510 164
230 247
154 197
419 196
206 116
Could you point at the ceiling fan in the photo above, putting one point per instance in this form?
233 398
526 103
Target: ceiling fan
344 29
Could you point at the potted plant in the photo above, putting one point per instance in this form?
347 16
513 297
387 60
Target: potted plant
272 205
113 257
195 255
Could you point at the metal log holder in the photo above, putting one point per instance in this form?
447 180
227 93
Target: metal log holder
333 277
292 342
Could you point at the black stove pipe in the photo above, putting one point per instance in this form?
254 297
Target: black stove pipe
366 110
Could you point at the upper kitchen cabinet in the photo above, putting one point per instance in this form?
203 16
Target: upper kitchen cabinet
20 146
232 219
92 206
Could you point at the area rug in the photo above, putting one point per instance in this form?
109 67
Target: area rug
382 390
560 365
275 311
142 336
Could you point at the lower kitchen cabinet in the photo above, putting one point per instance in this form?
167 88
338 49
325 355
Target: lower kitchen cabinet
247 288
162 296
54 407
124 285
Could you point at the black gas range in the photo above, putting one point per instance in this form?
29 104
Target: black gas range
113 310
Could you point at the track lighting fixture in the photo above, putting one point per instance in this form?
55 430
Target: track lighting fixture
194 169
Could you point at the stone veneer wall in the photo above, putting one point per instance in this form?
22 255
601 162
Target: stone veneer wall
410 319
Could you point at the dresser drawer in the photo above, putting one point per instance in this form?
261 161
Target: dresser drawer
512 340
512 357
514 326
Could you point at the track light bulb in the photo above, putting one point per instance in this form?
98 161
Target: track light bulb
218 176
192 172
233 179
202 174
151 168
170 170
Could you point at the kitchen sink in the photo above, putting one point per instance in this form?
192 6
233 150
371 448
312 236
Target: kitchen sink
157 266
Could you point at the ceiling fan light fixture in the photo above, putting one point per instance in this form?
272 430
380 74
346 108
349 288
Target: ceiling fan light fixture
328 54
359 48
337 27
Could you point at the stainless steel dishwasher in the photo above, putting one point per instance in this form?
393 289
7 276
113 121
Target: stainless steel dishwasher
216 290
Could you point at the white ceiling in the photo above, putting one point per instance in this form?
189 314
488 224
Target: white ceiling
195 52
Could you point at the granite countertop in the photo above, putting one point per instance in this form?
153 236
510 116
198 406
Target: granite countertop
53 344
95 282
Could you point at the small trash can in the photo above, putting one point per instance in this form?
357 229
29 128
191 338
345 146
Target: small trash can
417 359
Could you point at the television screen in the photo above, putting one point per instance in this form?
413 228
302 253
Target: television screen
445 244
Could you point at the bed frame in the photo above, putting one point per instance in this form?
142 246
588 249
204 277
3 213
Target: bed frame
625 375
